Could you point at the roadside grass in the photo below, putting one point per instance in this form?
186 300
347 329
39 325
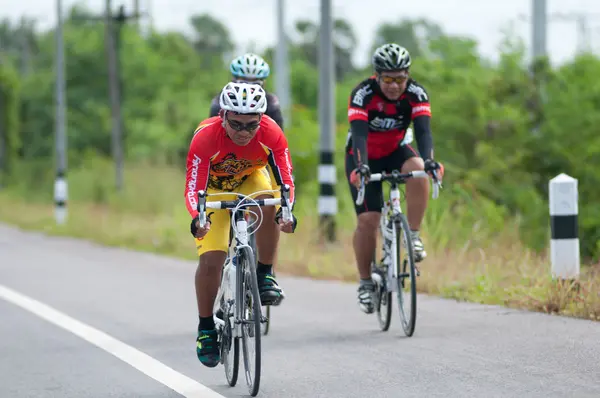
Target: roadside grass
466 262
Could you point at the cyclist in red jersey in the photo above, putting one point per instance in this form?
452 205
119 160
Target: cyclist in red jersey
228 153
380 111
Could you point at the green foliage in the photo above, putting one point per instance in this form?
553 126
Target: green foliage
484 117
9 120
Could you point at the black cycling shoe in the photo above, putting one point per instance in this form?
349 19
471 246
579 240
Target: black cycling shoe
207 348
270 292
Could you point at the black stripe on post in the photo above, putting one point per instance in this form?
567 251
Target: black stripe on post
564 227
326 157
326 189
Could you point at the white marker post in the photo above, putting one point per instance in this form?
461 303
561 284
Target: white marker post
564 245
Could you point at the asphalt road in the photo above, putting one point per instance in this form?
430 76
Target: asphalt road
114 323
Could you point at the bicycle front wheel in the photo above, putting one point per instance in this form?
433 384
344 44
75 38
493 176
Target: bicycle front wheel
406 275
265 322
251 320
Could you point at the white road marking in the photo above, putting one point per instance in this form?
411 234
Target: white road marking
160 372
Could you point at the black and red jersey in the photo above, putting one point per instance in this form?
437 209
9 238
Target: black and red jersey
387 120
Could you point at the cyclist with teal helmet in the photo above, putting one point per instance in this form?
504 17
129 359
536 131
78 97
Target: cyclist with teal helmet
252 68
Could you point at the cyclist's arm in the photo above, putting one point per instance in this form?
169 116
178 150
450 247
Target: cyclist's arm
281 163
214 107
422 128
197 168
360 131
359 128
421 118
274 110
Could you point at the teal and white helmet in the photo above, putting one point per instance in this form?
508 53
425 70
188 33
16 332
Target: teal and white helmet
249 66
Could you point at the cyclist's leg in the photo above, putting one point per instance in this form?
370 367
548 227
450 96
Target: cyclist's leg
267 239
365 235
212 251
417 193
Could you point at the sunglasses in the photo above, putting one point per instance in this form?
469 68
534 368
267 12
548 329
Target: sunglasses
390 79
239 126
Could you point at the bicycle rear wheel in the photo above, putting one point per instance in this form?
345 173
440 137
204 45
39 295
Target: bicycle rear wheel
406 275
383 305
251 320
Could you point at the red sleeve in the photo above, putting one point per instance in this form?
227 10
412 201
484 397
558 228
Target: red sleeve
280 159
197 166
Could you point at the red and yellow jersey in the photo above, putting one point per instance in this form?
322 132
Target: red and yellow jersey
214 161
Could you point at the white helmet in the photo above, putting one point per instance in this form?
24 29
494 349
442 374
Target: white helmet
243 98
249 66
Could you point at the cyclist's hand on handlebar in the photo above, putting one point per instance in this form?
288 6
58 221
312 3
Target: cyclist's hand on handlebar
431 165
364 171
286 226
195 229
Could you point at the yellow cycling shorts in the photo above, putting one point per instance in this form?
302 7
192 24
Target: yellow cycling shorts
217 238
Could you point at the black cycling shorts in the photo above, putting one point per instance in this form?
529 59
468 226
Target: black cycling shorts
373 191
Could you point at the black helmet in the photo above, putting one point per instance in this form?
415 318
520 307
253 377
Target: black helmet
391 57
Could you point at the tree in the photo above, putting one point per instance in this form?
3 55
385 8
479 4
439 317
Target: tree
212 39
414 35
307 47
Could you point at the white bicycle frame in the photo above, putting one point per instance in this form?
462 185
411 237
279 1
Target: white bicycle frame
229 289
394 203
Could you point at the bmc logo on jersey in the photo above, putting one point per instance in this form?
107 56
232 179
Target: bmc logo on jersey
383 124
360 95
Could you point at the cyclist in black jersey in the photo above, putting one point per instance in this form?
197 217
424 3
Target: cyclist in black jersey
380 110
251 68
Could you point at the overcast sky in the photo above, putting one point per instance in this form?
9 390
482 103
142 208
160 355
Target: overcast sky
254 20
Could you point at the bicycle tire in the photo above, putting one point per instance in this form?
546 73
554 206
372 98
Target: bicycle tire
382 293
264 325
248 264
231 375
401 225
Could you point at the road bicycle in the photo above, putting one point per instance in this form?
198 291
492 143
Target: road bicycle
393 273
238 297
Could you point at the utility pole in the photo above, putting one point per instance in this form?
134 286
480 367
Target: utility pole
114 26
114 87
3 129
136 11
112 39
539 60
282 81
327 204
539 28
60 184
